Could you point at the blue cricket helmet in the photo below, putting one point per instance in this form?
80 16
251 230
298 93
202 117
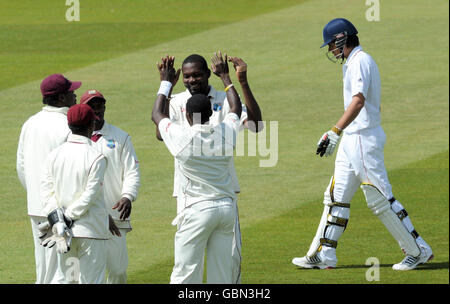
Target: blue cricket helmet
335 27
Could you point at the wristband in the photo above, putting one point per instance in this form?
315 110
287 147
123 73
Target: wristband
164 88
336 130
57 216
228 87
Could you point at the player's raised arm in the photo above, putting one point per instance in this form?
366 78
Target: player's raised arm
220 68
253 110
168 77
163 73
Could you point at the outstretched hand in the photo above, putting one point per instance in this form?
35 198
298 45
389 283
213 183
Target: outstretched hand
167 71
219 66
240 67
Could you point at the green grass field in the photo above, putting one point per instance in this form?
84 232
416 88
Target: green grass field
114 48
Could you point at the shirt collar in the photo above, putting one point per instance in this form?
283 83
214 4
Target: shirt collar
78 139
62 110
353 53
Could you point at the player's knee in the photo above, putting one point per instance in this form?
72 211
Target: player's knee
375 200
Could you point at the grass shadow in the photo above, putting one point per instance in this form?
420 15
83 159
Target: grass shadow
426 266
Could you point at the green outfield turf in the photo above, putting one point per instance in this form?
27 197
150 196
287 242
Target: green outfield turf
39 40
114 49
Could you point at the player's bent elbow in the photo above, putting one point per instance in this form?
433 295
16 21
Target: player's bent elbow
154 118
358 100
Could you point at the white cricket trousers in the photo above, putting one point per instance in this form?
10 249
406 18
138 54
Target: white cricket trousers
117 260
47 270
206 225
360 159
85 263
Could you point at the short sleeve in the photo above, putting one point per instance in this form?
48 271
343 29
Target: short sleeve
175 137
360 77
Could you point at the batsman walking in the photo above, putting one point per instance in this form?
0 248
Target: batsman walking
359 159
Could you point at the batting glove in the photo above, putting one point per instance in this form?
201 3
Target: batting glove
62 234
62 243
44 231
62 238
328 142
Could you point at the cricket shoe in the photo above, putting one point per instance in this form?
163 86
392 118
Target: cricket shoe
314 262
410 262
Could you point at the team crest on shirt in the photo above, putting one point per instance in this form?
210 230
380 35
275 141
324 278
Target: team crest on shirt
111 144
217 107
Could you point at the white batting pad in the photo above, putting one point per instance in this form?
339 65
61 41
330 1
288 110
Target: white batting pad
381 207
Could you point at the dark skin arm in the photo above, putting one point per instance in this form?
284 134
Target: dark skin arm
253 110
167 73
220 68
174 82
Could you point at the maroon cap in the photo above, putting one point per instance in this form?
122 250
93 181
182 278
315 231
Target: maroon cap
80 115
88 95
56 84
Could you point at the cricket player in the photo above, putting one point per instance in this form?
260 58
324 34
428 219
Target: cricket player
122 180
40 134
204 153
360 159
196 74
72 198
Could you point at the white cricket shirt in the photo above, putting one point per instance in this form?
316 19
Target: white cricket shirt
361 75
73 179
122 176
204 153
220 108
40 134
